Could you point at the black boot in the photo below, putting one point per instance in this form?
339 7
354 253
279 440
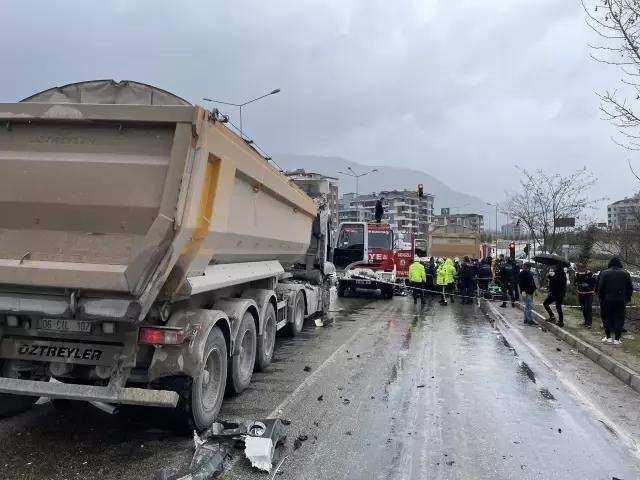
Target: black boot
504 305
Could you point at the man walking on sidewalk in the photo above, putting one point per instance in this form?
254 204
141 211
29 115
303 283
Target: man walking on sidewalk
585 282
614 290
418 279
508 272
557 291
528 288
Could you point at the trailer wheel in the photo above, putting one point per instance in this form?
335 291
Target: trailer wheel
11 405
266 341
201 396
387 292
294 328
342 288
242 363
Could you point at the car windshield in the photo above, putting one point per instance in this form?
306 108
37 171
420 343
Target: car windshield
351 237
380 239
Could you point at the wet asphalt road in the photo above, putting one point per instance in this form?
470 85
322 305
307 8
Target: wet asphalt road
433 392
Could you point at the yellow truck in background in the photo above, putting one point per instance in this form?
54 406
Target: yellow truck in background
454 241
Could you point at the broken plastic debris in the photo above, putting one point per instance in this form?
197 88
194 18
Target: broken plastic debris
259 451
208 460
320 398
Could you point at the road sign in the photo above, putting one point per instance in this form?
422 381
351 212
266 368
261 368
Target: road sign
565 222
565 249
503 244
445 211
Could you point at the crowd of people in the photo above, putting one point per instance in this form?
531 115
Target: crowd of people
449 277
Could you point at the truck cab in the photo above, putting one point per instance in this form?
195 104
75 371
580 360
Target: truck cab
364 258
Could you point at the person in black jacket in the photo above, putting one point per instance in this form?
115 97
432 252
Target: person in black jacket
431 275
557 290
379 210
467 274
485 274
614 290
585 282
527 286
508 273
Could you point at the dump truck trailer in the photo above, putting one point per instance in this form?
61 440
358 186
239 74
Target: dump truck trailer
148 254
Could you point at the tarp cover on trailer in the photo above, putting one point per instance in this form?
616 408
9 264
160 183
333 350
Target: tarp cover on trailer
125 92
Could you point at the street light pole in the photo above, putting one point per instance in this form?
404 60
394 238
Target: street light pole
353 174
497 233
357 176
240 105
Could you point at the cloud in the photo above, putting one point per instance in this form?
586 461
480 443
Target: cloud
464 90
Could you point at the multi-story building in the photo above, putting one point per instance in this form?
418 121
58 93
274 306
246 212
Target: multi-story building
623 213
512 230
403 209
333 197
472 221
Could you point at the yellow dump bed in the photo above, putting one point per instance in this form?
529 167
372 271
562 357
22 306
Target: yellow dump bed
124 187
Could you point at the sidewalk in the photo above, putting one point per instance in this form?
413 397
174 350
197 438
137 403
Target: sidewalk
628 353
624 364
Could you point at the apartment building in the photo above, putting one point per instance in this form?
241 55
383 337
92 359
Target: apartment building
623 213
330 189
512 230
403 209
472 221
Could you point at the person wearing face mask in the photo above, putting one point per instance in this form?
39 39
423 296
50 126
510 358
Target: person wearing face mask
557 291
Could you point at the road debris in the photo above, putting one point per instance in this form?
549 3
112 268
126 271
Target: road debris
320 398
307 369
558 349
346 401
420 386
216 445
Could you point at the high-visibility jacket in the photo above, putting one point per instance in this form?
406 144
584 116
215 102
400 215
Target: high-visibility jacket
417 273
446 272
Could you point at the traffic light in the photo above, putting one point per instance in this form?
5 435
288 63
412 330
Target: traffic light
420 191
512 250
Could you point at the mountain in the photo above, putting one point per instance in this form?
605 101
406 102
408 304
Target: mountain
386 178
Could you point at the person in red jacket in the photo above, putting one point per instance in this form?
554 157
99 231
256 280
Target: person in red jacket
585 282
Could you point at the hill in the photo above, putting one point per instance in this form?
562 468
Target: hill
386 178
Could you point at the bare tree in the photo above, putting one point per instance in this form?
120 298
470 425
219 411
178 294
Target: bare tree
544 198
617 22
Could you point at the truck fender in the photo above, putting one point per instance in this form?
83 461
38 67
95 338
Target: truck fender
262 298
184 359
288 291
235 308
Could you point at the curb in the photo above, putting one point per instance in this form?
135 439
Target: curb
611 365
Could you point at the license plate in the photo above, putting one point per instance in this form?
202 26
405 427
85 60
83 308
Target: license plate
65 326
363 282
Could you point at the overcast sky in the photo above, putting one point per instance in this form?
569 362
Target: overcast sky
463 89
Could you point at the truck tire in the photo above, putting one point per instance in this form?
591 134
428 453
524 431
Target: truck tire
294 328
242 363
201 396
266 341
342 288
387 292
11 405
